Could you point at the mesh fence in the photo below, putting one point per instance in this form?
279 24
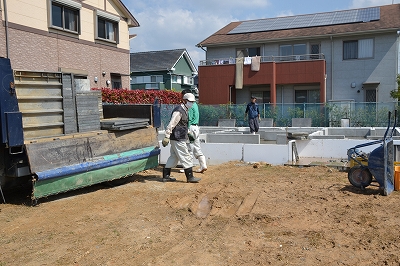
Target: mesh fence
360 114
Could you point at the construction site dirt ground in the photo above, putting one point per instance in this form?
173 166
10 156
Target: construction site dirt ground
239 214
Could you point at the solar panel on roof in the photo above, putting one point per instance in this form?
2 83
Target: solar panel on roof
345 17
322 19
263 24
312 20
301 21
281 23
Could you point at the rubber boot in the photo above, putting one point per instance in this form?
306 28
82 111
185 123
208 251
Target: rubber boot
189 176
166 175
203 164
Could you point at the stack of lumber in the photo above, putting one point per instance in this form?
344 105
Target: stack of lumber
121 123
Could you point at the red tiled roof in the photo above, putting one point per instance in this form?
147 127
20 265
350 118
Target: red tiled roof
389 20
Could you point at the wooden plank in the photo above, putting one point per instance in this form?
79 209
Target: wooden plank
56 153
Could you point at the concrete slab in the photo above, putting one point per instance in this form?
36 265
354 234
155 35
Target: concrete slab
269 153
226 122
281 139
216 153
270 135
233 138
301 122
326 137
266 122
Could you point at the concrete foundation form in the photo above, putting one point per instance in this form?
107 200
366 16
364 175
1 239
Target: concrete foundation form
281 146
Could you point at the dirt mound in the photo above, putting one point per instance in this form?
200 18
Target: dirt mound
239 214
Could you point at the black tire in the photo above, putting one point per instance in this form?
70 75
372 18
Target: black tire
360 177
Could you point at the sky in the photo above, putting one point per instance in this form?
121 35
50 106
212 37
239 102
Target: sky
177 24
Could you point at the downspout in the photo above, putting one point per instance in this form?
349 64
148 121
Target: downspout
6 25
332 68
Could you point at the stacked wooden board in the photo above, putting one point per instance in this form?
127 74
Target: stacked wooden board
122 123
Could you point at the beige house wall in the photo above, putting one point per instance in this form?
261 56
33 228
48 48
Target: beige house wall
32 46
27 13
35 14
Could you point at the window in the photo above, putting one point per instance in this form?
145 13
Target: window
176 79
107 26
314 51
116 81
295 49
187 80
358 49
306 96
147 79
251 51
65 15
157 79
262 96
370 95
292 51
299 49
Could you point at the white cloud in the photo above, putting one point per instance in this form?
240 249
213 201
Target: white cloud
174 28
175 24
368 3
285 13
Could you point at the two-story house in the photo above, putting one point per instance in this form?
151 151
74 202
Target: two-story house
87 39
160 70
348 55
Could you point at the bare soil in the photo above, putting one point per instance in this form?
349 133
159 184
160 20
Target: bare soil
239 214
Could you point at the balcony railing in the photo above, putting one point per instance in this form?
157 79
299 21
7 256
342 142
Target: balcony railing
269 58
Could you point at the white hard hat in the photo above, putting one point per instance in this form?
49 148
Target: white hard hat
190 97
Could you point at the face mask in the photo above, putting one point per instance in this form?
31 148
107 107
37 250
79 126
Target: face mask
189 104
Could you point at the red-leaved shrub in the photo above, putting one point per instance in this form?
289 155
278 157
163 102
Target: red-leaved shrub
125 96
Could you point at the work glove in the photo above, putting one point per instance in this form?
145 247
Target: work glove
165 141
191 137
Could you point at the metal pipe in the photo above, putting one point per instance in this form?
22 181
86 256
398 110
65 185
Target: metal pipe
6 25
96 165
332 50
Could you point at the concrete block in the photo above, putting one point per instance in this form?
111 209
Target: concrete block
301 122
226 122
271 135
266 122
281 139
269 153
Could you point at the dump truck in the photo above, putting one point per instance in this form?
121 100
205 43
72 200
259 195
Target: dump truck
57 136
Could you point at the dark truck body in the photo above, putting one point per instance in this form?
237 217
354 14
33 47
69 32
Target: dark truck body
61 138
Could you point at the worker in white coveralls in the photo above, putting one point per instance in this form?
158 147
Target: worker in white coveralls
176 133
194 134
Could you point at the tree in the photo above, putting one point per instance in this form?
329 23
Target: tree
395 94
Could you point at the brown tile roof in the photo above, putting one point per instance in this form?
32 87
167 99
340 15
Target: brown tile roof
389 20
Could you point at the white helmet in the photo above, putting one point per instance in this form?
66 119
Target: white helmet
190 97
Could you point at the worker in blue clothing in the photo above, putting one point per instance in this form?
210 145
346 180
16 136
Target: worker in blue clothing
253 114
